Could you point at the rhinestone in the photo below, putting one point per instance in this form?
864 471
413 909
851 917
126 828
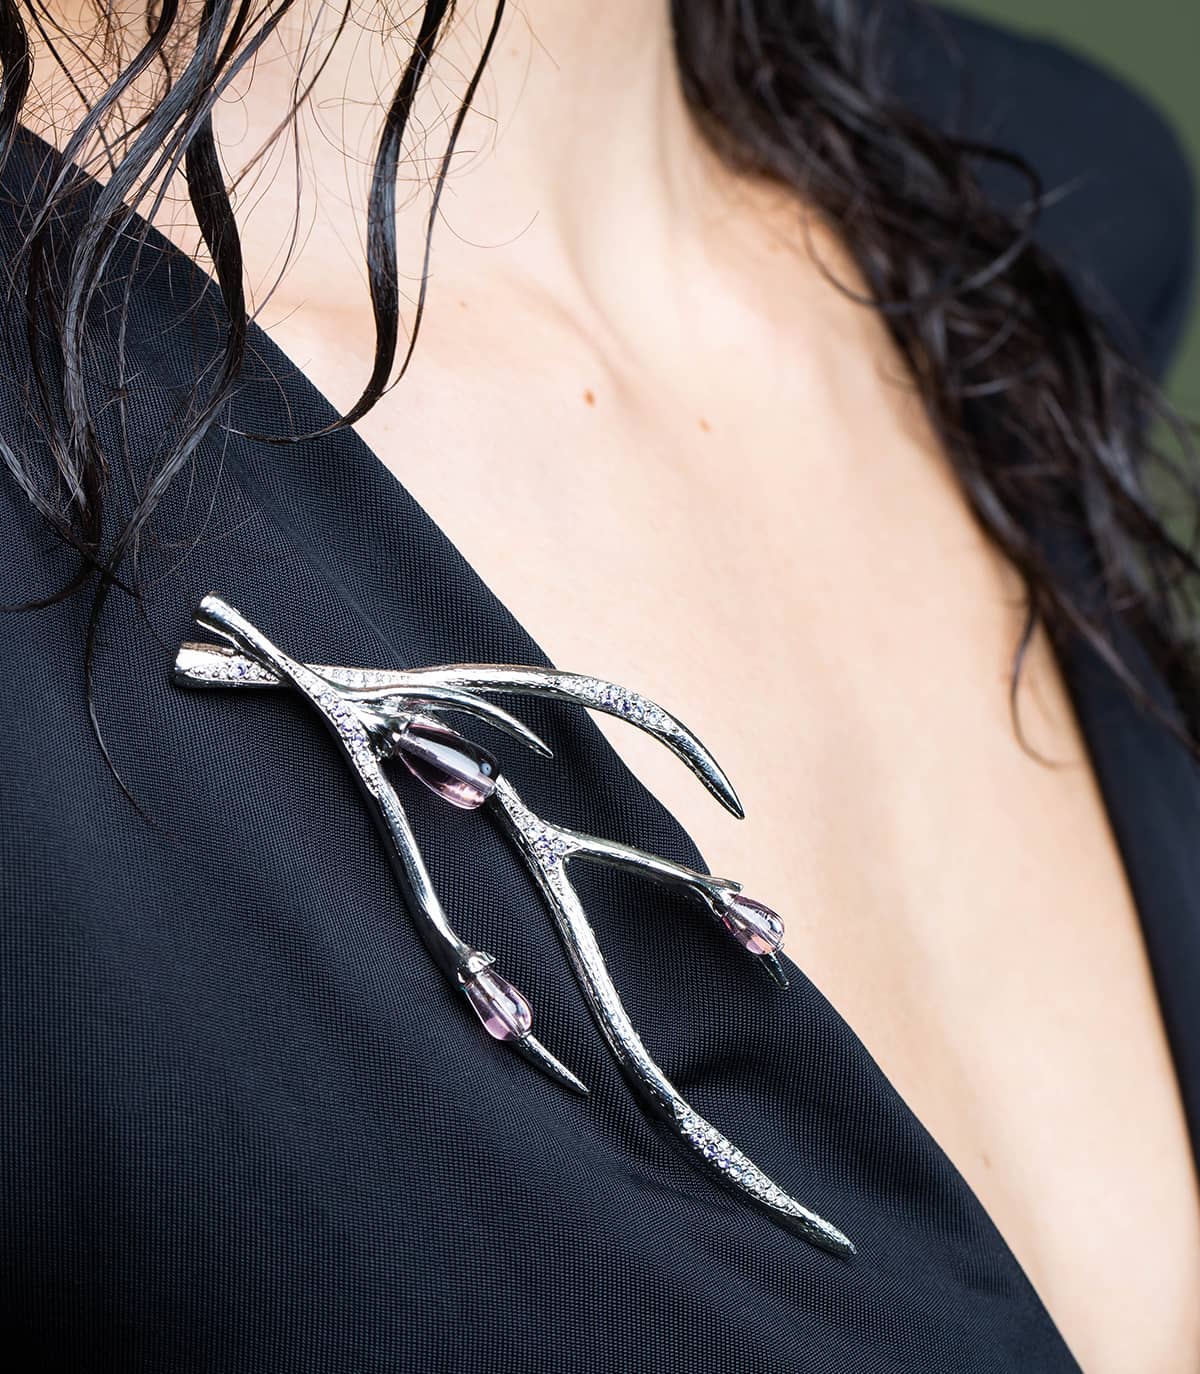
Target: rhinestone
752 925
505 1013
458 770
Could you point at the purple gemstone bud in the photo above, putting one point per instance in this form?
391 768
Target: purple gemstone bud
753 925
505 1013
449 764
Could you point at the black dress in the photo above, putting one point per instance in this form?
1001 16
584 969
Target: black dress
246 1125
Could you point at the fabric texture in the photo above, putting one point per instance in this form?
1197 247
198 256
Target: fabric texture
248 1127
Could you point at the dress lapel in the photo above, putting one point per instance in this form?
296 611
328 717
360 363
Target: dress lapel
1151 788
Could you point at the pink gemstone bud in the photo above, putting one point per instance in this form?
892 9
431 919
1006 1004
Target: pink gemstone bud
505 1013
452 766
752 924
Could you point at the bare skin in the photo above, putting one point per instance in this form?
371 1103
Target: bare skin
693 466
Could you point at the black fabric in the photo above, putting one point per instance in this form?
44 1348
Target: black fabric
247 1126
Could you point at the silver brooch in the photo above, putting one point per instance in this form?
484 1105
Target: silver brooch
377 715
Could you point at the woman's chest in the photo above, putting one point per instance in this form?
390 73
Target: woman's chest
842 640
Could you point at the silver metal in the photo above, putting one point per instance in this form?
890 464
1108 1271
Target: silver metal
548 849
366 708
196 667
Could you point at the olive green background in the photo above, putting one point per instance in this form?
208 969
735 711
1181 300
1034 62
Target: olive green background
1155 45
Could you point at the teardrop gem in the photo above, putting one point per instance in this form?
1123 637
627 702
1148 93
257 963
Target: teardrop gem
752 924
505 1013
449 764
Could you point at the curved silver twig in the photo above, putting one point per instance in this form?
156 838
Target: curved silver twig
462 964
597 694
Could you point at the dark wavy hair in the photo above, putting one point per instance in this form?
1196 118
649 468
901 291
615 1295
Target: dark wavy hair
1041 415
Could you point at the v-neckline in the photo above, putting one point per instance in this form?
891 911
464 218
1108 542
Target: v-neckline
1127 825
1110 725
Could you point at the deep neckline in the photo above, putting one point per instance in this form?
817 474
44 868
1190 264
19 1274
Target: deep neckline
283 367
1108 724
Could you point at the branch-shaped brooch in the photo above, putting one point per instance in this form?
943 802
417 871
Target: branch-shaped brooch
376 715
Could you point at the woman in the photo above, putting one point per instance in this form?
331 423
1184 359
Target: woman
734 376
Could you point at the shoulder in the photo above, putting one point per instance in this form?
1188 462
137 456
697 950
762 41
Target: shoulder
1120 212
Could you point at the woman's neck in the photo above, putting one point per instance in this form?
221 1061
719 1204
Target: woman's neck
579 177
